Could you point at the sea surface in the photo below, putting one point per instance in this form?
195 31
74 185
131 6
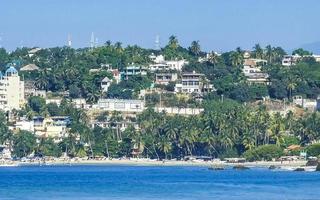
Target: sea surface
145 182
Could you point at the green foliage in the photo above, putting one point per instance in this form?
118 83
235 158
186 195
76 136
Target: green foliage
24 143
47 147
301 52
74 91
265 152
313 150
37 104
53 109
290 140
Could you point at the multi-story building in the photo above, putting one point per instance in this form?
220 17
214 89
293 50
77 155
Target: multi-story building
193 83
54 127
159 63
165 78
254 75
11 90
290 60
133 71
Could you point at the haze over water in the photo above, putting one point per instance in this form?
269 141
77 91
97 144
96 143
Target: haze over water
131 182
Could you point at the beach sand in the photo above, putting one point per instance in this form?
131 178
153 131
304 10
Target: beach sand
146 162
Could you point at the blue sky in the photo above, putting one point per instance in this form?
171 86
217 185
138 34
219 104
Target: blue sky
217 24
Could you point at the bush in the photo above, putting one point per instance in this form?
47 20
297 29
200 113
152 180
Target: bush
313 150
265 152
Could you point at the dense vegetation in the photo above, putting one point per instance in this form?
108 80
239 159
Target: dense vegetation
67 69
227 128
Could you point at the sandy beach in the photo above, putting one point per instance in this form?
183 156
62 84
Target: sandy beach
147 162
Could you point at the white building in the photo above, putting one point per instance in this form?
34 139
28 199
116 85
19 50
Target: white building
105 84
121 105
11 90
254 75
165 78
193 83
290 60
133 71
159 63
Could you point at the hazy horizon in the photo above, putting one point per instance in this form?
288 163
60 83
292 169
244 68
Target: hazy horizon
219 26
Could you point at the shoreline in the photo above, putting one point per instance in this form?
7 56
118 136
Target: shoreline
141 162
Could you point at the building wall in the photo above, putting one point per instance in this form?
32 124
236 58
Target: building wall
11 92
121 105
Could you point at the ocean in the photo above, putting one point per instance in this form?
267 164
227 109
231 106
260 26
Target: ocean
91 182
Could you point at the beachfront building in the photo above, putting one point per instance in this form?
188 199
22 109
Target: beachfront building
133 70
54 127
193 83
121 105
165 78
11 90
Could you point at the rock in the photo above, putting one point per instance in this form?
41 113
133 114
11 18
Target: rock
273 167
216 168
240 167
300 169
312 163
318 168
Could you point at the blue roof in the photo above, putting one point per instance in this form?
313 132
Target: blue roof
11 70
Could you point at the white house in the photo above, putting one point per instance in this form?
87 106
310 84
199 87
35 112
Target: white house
105 84
254 75
193 83
159 63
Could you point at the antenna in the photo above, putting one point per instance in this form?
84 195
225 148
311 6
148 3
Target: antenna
69 44
96 42
92 41
157 42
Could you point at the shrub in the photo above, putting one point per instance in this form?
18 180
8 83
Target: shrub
265 152
313 150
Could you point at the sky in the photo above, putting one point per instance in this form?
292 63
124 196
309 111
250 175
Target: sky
219 25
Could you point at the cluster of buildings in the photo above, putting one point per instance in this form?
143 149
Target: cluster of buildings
290 60
14 90
252 71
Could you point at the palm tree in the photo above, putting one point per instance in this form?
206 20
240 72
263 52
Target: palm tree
258 51
195 48
236 59
213 58
42 82
269 53
173 42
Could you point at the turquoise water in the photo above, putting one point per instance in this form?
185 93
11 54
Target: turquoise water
132 182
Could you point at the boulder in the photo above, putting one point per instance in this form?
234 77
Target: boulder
300 169
318 168
240 167
273 167
312 163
